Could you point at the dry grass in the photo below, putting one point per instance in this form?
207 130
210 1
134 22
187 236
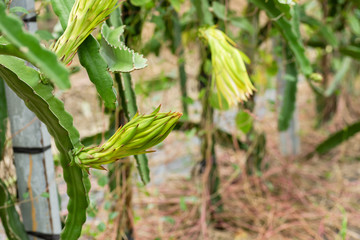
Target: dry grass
291 200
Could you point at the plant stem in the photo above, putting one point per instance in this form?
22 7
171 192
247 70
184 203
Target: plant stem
122 177
181 60
210 172
123 171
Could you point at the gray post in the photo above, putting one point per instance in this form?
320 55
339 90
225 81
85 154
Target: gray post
34 164
289 139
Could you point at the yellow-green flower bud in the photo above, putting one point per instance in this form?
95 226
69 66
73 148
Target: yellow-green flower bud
134 138
85 15
229 74
316 77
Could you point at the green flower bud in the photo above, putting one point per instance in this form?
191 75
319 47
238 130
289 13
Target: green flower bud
316 77
85 15
229 75
134 138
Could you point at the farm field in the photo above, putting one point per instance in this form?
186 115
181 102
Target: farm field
179 119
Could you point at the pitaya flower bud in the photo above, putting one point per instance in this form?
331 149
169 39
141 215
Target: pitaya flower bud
85 15
134 138
229 73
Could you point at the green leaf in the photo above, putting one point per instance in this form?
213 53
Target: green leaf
113 35
183 205
28 44
44 35
143 167
96 68
119 57
188 100
326 32
289 94
113 215
107 205
38 97
12 50
45 195
242 23
168 219
354 23
340 74
92 210
244 121
289 32
176 4
295 20
101 226
19 9
338 137
219 10
284 8
10 219
351 51
344 224
152 46
3 118
25 195
202 12
45 104
103 180
62 9
157 84
139 3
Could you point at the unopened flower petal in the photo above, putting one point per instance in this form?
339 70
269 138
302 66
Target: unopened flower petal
85 15
229 72
134 138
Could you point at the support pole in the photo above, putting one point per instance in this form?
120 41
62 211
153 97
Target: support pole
33 159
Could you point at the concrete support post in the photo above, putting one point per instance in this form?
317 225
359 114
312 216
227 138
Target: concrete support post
34 164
